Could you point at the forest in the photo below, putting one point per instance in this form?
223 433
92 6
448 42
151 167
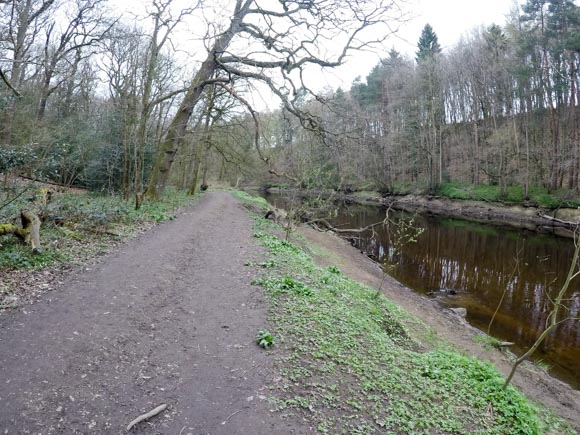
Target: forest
93 98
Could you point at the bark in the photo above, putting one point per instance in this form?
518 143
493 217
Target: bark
29 233
176 131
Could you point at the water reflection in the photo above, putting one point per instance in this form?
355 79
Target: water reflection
480 263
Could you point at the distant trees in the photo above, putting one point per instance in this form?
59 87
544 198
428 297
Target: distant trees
87 97
501 107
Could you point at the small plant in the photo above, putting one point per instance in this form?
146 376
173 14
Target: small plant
333 269
268 264
296 287
265 339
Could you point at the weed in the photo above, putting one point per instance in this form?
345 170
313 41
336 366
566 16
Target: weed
333 269
265 339
267 264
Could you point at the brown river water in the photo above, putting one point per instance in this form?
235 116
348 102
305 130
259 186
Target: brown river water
476 266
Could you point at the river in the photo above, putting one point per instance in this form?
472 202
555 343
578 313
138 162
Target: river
480 267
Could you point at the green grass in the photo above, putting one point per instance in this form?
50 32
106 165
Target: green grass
256 201
350 360
515 194
76 222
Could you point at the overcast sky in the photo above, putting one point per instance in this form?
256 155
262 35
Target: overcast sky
450 19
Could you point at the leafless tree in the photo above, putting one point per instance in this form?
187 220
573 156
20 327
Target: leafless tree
278 44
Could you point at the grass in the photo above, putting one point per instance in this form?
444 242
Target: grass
515 194
74 224
350 360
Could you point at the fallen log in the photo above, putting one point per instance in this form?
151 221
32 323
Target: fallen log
14 230
29 233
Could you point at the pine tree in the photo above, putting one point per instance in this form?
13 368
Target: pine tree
428 45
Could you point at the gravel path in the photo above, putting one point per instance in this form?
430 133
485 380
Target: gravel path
169 318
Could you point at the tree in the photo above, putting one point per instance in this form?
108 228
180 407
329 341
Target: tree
275 46
428 54
428 46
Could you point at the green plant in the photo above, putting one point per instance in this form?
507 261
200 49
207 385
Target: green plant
333 269
347 331
265 339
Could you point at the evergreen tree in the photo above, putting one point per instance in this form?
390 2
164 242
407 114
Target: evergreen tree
428 45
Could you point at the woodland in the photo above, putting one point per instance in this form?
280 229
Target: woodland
101 100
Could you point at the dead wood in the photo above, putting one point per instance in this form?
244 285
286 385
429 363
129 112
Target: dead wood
29 233
560 221
147 416
31 225
348 230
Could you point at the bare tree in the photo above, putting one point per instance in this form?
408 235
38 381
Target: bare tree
278 47
87 26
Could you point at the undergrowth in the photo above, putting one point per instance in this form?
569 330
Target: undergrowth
349 362
514 194
74 223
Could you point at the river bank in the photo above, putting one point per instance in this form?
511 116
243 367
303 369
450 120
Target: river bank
446 324
560 222
328 325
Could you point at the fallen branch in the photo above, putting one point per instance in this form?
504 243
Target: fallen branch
147 416
560 221
353 230
228 419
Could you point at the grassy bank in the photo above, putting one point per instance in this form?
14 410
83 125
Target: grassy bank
537 196
351 361
76 227
71 220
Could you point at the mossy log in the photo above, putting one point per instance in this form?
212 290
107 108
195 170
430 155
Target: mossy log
30 231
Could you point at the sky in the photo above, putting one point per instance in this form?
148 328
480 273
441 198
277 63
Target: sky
451 19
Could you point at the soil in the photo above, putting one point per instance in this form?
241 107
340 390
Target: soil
169 318
560 222
330 249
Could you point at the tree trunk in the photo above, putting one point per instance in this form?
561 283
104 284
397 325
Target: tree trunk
29 233
176 131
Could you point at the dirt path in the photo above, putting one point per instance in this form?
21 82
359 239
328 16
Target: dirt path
170 318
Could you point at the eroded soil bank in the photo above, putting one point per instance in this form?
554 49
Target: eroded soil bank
560 222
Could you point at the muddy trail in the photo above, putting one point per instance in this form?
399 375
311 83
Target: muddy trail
170 318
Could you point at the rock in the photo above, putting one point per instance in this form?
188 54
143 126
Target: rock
462 312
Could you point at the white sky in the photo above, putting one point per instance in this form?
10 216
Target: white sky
450 19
